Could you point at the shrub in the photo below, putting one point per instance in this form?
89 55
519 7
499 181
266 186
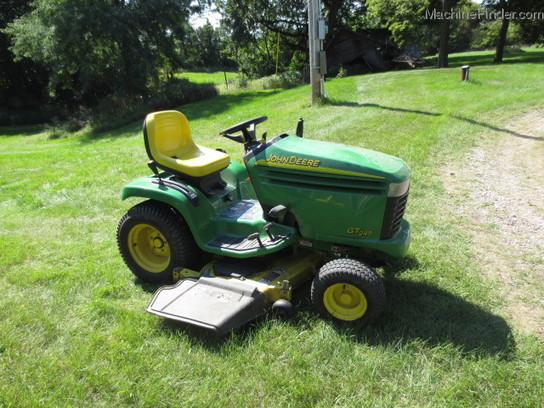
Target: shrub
180 91
241 82
116 111
341 73
285 80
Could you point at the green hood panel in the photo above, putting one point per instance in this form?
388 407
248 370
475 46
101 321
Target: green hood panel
332 159
333 193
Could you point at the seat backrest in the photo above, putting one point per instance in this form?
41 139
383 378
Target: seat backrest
167 133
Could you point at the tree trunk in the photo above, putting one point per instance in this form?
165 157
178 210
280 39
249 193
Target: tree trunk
444 36
331 17
502 40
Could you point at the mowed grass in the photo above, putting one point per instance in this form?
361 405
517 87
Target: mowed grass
73 326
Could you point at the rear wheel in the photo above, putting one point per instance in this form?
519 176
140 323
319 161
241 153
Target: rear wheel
348 290
153 240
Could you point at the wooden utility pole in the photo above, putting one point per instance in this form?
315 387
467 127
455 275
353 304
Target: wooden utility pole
316 36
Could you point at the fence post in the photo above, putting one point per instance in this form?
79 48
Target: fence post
465 69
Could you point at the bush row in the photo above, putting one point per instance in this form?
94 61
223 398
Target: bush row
285 80
113 111
177 91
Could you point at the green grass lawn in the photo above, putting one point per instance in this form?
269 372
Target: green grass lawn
73 326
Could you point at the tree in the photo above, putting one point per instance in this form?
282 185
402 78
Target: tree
462 31
414 22
22 83
343 13
531 30
443 48
406 20
506 6
254 27
502 38
93 48
204 47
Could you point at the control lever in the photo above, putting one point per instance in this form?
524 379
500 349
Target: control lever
266 229
255 236
300 127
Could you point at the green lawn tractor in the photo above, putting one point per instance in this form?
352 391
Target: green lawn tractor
237 239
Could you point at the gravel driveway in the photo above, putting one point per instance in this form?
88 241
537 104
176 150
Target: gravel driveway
499 190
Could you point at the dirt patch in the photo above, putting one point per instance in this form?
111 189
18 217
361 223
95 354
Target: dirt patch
499 190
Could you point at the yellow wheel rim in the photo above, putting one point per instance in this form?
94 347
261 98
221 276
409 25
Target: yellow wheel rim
345 301
149 248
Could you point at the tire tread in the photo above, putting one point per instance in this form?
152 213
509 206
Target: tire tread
347 270
183 250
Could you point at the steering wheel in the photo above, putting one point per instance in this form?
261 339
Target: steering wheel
247 128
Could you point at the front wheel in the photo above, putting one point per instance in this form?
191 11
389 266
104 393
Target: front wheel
347 290
153 240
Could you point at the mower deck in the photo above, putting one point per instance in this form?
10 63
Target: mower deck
229 292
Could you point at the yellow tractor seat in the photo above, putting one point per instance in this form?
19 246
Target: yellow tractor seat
169 143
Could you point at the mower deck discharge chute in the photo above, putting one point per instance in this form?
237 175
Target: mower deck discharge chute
298 209
212 303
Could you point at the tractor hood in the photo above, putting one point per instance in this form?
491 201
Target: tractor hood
330 159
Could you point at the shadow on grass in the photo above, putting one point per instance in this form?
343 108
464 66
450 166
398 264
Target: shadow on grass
415 312
497 129
202 337
222 103
377 106
418 311
420 112
480 59
193 111
147 287
421 312
23 130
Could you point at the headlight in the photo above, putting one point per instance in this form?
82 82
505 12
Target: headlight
398 189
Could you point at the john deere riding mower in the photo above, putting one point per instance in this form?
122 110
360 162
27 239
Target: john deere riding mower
297 209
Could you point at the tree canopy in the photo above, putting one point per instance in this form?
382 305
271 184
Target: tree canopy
84 51
264 34
92 48
22 82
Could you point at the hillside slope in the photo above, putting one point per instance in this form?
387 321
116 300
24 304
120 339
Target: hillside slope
73 326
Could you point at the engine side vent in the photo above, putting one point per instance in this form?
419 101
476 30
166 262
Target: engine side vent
394 211
334 183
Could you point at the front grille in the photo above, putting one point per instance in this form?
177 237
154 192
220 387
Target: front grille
394 211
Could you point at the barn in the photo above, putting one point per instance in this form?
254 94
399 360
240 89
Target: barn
368 51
